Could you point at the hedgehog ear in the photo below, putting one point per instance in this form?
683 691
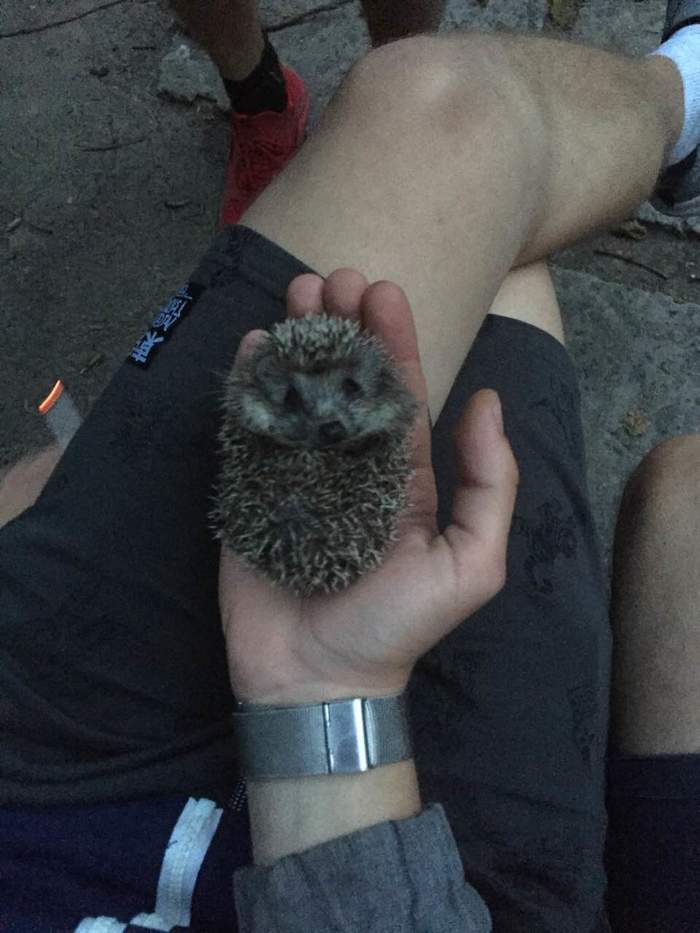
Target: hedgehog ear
266 367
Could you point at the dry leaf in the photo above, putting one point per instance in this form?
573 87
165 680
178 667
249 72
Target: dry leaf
631 230
635 423
563 13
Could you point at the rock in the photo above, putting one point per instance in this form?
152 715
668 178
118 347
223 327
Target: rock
650 215
187 73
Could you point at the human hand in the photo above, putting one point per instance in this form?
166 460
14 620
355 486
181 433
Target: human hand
364 641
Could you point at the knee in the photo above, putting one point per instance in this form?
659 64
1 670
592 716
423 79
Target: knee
451 84
671 469
417 67
665 487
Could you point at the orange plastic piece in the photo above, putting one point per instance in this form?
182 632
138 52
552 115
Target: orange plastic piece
51 398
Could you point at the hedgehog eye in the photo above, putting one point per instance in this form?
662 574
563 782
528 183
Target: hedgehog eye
292 400
350 387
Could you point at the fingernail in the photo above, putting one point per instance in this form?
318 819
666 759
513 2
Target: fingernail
497 413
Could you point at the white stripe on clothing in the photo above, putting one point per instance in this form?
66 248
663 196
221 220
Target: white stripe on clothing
184 856
100 925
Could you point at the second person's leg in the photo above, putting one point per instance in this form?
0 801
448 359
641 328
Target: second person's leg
231 32
269 101
654 797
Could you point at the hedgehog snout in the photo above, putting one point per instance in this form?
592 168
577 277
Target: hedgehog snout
332 432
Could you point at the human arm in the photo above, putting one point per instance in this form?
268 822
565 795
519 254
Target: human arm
366 640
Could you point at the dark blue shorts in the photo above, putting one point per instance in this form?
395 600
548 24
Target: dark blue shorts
653 852
113 679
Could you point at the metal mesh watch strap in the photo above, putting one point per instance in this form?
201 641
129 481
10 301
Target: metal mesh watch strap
339 737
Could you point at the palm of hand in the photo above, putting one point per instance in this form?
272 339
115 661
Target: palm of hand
365 640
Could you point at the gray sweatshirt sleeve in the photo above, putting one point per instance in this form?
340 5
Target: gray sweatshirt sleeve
396 877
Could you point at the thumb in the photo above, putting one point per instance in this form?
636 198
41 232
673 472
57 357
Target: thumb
482 507
248 344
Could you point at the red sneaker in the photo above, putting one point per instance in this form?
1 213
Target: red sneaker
261 145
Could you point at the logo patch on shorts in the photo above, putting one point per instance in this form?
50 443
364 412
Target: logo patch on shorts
168 318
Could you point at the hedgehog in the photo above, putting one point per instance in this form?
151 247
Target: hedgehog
315 455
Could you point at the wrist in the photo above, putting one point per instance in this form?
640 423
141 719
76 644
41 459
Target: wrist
306 693
293 814
319 769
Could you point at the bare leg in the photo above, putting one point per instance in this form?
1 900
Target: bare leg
22 483
229 30
444 161
393 19
656 594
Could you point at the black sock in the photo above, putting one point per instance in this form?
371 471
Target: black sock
263 89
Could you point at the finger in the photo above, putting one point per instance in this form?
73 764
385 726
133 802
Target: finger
387 314
304 295
343 291
248 344
482 506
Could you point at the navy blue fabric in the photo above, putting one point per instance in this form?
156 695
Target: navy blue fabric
60 865
653 847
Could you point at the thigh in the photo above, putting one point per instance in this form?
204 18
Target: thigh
510 712
655 598
113 677
653 846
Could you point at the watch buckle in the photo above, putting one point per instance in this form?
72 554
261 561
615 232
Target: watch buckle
346 736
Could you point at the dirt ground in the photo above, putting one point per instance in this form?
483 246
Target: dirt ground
108 194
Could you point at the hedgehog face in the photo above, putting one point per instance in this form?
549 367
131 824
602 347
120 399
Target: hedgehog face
333 405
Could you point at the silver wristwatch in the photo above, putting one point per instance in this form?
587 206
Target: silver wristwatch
338 737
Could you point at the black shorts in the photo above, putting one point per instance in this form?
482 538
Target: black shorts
113 679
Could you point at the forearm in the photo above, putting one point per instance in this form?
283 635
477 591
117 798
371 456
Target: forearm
294 814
